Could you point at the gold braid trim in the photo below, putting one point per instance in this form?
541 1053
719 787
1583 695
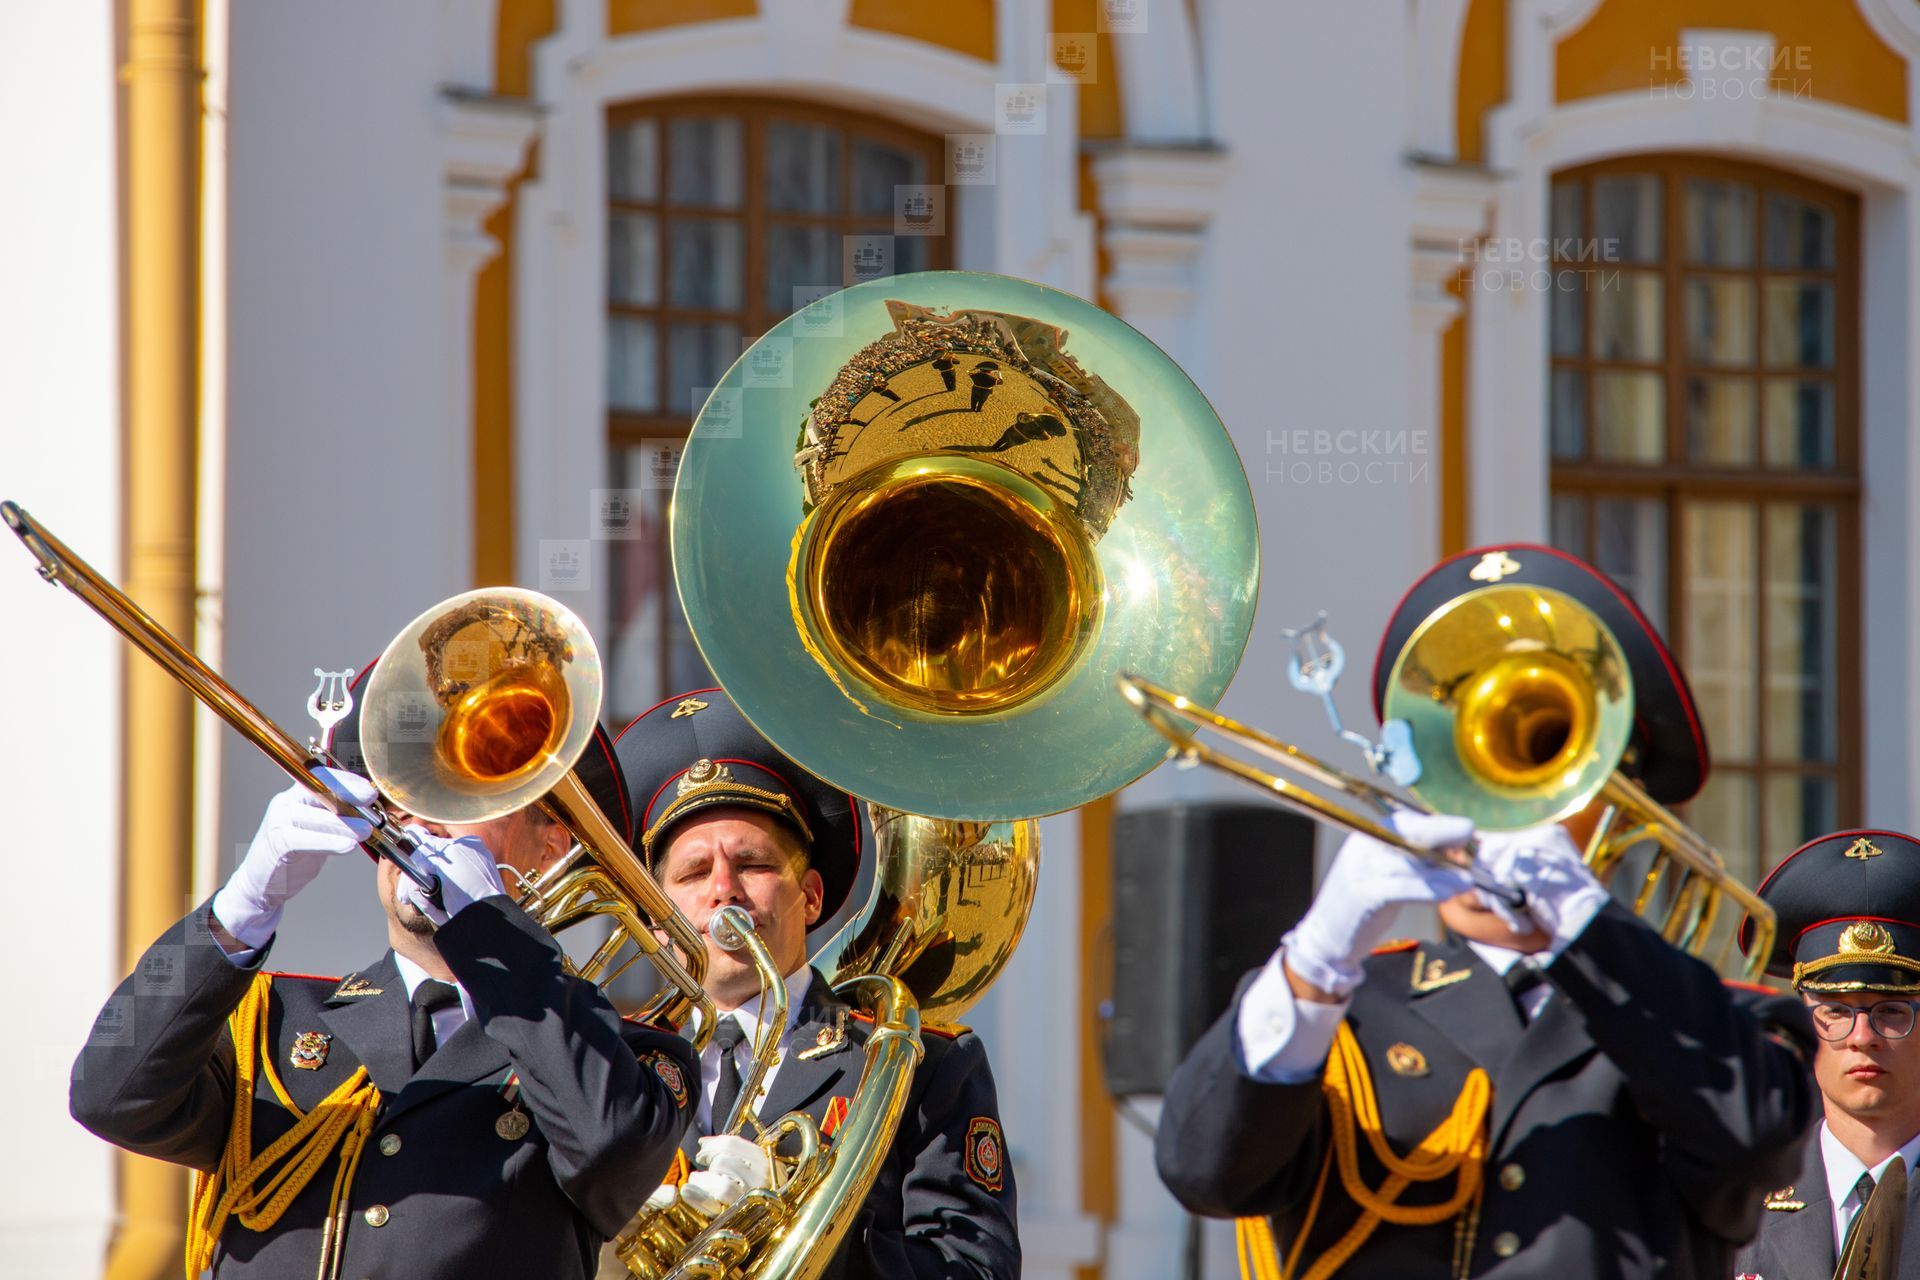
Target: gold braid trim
343 1119
1457 1145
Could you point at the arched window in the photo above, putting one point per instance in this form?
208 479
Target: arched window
725 215
1704 418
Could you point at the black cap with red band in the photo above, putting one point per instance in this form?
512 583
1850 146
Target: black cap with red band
1848 909
1668 752
696 751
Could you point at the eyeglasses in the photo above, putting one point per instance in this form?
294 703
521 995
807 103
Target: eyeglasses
1890 1019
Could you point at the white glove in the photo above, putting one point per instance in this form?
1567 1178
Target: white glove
1364 890
1543 863
728 1166
299 832
466 868
664 1196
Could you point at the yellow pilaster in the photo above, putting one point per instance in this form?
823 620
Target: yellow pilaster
163 76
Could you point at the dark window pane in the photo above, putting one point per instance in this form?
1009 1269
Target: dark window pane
1630 546
1628 217
1719 222
1799 422
798 257
697 354
1568 413
1567 519
641 584
1799 325
1723 813
705 164
633 259
1799 234
633 364
1569 323
633 161
1568 217
803 168
911 253
1798 809
877 170
706 263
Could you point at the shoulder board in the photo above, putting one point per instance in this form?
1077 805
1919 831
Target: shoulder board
305 977
1396 946
945 1030
1736 985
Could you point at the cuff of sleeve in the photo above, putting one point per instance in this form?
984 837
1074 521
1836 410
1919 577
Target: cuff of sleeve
1284 1040
1574 913
251 925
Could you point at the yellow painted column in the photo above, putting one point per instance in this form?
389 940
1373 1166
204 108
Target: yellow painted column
163 76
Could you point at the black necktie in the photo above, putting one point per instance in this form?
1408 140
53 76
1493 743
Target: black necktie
1863 1189
1523 977
727 1035
429 997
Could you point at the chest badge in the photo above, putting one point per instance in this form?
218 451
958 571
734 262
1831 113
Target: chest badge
310 1050
1431 975
352 987
829 1040
513 1125
1784 1201
1406 1060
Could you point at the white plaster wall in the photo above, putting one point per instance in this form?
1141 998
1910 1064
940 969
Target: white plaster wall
348 490
60 457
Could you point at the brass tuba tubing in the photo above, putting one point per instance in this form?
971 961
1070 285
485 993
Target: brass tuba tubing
61 566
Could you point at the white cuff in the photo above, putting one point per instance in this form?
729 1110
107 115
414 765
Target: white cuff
250 925
1284 1040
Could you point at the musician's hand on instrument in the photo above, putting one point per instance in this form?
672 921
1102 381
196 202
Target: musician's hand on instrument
1545 864
467 869
727 1167
1363 891
297 834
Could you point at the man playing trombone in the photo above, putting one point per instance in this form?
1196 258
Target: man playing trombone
726 820
461 1107
1552 1090
1848 906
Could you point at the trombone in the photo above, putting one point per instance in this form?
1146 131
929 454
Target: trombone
479 707
1510 705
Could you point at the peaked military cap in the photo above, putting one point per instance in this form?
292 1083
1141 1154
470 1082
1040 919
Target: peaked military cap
697 751
1667 754
1849 913
597 766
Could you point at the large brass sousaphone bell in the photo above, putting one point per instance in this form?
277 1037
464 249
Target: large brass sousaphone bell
917 530
922 524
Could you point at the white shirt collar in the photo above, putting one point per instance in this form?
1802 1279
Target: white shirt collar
799 982
1844 1168
413 975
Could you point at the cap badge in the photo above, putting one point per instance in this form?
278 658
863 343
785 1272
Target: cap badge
1865 938
1863 849
702 773
687 707
1494 566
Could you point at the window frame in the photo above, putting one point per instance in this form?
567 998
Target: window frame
1675 481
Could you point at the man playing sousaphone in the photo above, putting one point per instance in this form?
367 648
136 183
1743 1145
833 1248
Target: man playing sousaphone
1848 906
724 820
1551 1090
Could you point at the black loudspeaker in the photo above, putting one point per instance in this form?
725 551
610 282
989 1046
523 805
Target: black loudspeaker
1201 894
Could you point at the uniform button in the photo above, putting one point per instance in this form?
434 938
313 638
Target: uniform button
1512 1177
390 1146
1506 1244
377 1217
